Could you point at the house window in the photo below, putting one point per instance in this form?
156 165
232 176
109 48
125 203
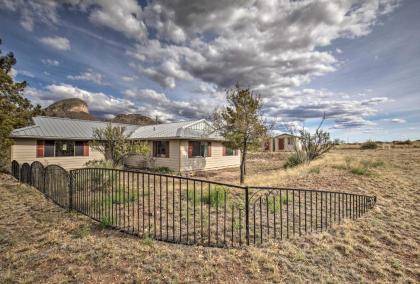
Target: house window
79 148
290 141
229 151
161 149
49 148
199 149
64 148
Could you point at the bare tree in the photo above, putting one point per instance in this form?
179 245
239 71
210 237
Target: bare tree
316 144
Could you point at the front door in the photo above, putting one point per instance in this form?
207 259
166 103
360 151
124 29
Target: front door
281 144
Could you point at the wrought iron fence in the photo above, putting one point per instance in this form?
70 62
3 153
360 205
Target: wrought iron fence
194 211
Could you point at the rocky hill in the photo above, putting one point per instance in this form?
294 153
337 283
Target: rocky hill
70 108
134 118
78 109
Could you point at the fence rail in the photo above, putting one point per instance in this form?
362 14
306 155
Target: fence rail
192 211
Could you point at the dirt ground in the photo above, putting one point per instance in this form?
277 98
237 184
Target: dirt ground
42 243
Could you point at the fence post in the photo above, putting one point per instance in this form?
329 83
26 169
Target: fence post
70 190
247 215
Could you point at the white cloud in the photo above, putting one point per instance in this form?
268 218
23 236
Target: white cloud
128 78
98 102
24 73
398 120
123 16
153 104
89 75
31 11
52 62
274 47
56 42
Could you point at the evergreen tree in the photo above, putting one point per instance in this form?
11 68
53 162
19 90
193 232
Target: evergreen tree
15 110
241 123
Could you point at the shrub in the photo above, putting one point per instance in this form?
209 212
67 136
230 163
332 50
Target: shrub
406 142
369 145
295 159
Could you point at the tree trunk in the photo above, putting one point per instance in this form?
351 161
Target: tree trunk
243 165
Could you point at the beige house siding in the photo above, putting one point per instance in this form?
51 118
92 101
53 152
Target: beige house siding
179 161
216 161
173 161
24 151
138 161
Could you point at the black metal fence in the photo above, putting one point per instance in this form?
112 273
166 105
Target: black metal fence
192 211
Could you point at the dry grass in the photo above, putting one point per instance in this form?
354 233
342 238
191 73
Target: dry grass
40 242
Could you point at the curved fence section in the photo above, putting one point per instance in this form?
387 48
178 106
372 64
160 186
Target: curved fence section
56 184
194 211
25 173
37 176
15 170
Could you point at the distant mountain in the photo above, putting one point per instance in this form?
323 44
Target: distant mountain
78 109
70 108
134 118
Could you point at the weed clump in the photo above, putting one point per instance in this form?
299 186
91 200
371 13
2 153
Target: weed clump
213 197
295 159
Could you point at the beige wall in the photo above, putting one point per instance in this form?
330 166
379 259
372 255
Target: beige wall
179 161
173 161
216 161
24 151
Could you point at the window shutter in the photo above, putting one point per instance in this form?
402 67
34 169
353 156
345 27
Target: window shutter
86 149
154 148
209 150
224 150
190 149
236 152
40 148
167 149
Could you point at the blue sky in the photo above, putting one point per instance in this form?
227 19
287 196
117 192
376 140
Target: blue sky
356 61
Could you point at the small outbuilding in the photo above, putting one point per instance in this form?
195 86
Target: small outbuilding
281 143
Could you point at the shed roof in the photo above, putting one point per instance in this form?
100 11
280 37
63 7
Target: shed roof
77 129
286 135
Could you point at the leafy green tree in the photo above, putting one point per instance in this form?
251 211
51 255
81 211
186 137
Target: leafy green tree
15 110
113 143
241 123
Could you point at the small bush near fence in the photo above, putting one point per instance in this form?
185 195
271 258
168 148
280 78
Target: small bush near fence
192 211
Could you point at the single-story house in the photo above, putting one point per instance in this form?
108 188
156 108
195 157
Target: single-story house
181 146
281 143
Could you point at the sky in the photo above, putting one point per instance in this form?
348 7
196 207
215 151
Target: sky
356 61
